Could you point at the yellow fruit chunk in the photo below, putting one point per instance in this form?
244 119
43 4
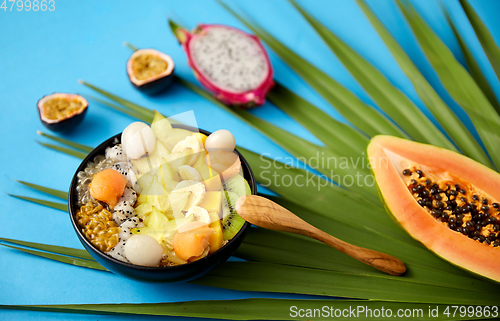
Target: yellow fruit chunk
157 226
212 201
143 210
108 186
141 199
216 238
213 183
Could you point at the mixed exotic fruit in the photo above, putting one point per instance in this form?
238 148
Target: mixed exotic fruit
164 196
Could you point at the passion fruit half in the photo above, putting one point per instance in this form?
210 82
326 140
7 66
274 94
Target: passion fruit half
150 70
62 112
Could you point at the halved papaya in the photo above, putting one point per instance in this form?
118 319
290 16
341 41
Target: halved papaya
445 200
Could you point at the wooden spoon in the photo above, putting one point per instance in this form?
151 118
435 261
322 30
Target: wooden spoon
265 213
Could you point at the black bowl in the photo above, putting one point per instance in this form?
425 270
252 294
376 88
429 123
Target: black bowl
177 273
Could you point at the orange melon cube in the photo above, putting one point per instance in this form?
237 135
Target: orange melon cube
107 186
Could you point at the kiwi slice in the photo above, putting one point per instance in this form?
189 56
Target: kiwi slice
231 221
234 187
238 185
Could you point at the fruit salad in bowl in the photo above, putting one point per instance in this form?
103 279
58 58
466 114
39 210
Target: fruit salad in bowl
157 202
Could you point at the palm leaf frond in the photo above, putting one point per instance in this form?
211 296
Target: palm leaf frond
144 112
58 206
65 150
242 309
339 137
457 81
81 147
59 258
130 112
256 276
473 66
393 101
483 34
61 250
446 117
50 191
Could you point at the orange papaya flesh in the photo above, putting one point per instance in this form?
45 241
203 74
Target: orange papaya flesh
448 202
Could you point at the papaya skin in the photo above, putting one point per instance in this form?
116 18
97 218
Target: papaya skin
451 245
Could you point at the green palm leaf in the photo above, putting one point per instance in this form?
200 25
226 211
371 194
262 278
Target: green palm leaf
65 251
308 152
262 245
65 150
50 191
351 107
446 117
130 112
394 102
458 82
483 34
256 276
66 142
130 46
339 137
142 111
473 66
60 258
243 309
58 206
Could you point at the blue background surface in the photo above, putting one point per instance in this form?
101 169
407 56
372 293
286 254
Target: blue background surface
45 52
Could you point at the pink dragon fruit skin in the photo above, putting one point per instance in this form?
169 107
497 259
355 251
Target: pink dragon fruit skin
255 96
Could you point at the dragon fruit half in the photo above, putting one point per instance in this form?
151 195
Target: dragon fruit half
229 62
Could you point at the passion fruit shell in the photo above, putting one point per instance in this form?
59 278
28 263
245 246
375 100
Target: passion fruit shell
62 112
150 70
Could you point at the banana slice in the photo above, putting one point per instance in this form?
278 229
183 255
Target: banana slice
191 142
197 190
199 214
185 184
187 172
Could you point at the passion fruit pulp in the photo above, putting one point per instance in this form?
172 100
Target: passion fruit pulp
62 112
150 70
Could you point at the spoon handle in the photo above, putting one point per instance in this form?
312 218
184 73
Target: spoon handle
381 261
265 213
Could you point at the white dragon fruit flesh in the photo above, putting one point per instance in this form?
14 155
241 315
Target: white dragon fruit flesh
116 153
229 62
